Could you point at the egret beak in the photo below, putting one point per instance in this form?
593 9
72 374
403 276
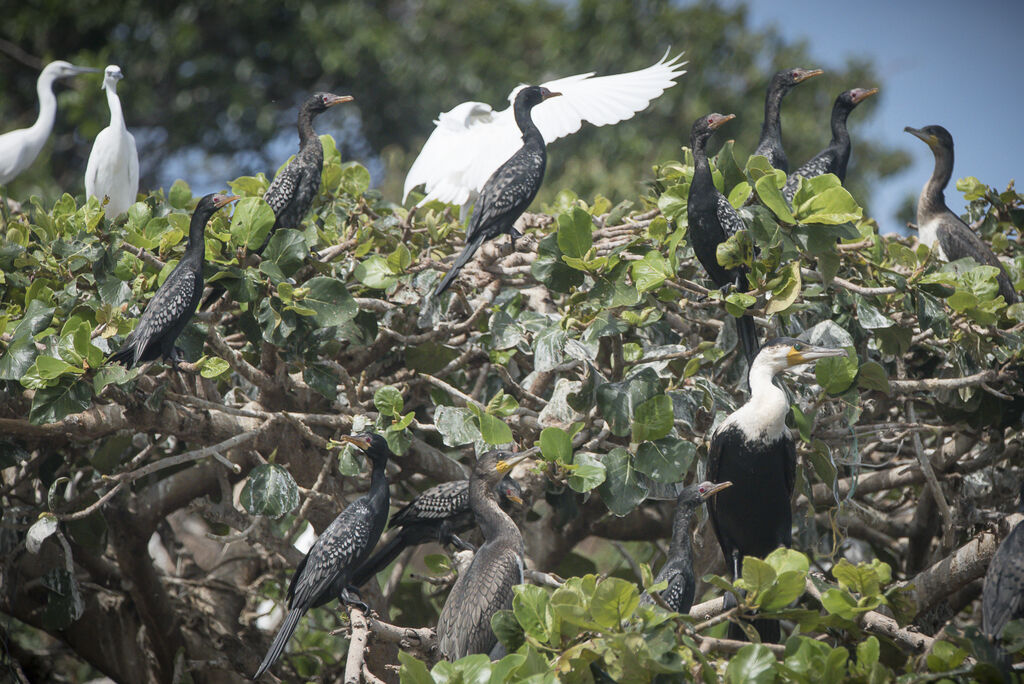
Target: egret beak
337 99
359 442
807 353
715 489
804 74
75 70
859 95
718 120
221 200
928 138
505 466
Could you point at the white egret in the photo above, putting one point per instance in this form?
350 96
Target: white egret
472 140
18 149
113 169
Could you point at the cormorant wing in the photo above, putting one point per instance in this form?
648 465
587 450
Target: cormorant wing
728 216
317 578
1003 595
437 503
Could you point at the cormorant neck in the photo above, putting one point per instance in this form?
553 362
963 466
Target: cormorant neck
306 132
840 112
379 482
493 521
933 199
114 102
681 544
771 129
701 166
197 232
524 119
763 417
47 104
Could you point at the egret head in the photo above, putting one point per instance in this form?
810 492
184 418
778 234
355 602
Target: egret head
785 352
111 75
321 102
705 126
936 137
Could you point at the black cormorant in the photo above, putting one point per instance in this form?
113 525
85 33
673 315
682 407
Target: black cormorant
438 514
1002 599
712 220
510 189
678 567
326 571
936 223
174 304
753 449
485 587
835 157
770 145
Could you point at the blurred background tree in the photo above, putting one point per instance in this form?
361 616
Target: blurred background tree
211 90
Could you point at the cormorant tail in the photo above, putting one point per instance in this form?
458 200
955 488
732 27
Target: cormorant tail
467 254
748 337
280 640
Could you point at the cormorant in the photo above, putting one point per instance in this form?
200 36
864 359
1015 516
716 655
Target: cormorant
174 304
1002 598
835 157
486 585
712 220
936 223
113 168
770 145
753 449
438 514
19 148
295 187
472 140
325 573
678 567
510 189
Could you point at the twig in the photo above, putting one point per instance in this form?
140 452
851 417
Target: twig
356 645
933 384
933 482
708 644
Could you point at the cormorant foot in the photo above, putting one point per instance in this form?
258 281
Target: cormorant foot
350 597
460 544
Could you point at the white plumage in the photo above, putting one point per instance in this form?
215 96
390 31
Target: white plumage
113 168
18 149
472 140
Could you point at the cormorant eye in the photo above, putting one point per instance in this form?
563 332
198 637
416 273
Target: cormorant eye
798 347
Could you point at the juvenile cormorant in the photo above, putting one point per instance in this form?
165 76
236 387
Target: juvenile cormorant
678 567
174 304
113 168
472 140
936 223
770 145
439 514
19 148
712 220
835 157
325 573
1002 598
753 449
510 189
486 585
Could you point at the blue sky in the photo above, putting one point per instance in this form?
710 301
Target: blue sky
957 64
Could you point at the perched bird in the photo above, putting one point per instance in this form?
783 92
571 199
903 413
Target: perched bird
1002 598
18 149
174 304
113 168
678 567
295 187
510 189
936 223
325 573
712 220
486 585
472 140
753 449
835 157
439 514
770 145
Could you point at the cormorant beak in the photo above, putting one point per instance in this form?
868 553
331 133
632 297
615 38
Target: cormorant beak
337 99
359 442
514 499
805 74
807 353
505 466
221 200
860 95
547 95
720 120
715 489
928 138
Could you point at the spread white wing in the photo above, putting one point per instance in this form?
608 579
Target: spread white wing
471 142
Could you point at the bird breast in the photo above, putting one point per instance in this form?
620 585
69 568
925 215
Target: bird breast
928 234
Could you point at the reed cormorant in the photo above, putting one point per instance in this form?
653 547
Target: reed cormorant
510 189
174 304
326 571
937 224
485 587
1002 598
770 145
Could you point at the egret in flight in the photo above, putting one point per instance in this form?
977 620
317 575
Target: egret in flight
113 168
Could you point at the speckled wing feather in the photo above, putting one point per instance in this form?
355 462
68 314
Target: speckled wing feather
959 241
481 591
176 299
728 216
508 193
437 503
317 580
1003 595
678 595
293 191
822 163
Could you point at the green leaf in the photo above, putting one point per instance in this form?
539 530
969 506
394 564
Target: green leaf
752 664
269 490
438 564
388 401
52 404
42 528
508 630
374 272
621 491
873 377
493 429
180 195
673 202
767 189
836 374
456 425
556 445
838 602
651 271
413 671
824 200
213 367
575 230
251 222
355 179
653 419
331 301
787 560
757 576
786 292
286 250
550 269
665 460
614 600
588 472
532 609
736 251
870 318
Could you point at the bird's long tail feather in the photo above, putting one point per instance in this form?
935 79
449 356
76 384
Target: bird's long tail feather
748 338
379 560
280 640
467 254
126 356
